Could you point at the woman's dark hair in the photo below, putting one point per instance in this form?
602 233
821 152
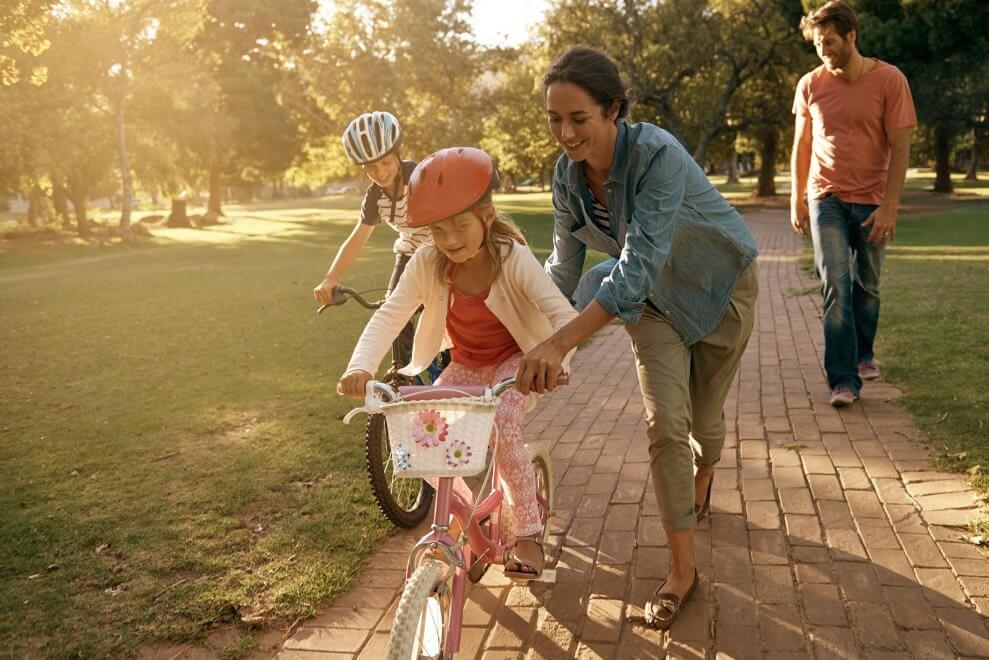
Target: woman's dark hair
596 73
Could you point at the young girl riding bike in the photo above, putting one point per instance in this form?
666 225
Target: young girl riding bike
487 298
374 141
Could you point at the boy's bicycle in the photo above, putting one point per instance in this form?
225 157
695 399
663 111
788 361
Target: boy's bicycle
443 432
404 502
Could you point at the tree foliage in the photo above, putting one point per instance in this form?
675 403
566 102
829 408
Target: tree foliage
105 97
941 46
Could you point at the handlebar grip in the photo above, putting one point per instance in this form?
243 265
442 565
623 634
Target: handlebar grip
340 294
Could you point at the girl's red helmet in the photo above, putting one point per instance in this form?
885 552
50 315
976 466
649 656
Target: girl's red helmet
449 182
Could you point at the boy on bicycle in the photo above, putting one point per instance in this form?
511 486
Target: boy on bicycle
374 141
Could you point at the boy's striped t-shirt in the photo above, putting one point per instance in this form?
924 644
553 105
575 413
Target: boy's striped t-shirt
378 207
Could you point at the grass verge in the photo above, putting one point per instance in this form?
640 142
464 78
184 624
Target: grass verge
932 337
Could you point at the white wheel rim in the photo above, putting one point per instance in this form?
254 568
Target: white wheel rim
429 634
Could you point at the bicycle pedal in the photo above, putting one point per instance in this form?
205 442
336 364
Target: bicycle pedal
548 576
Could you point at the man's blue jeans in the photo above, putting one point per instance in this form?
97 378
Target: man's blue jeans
849 269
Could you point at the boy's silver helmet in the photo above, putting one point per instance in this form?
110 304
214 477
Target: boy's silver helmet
371 136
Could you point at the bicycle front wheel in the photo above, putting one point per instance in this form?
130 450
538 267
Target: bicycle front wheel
405 502
423 616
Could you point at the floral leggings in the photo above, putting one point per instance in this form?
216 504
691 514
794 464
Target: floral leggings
517 476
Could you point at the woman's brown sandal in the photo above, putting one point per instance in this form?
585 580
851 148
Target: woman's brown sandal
665 606
527 570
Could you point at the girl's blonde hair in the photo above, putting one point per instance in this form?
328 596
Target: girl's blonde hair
501 234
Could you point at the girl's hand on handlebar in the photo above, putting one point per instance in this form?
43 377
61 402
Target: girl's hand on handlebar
323 293
353 384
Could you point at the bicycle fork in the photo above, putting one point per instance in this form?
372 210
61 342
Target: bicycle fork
455 555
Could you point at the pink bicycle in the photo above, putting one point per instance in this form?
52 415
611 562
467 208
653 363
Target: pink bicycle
443 432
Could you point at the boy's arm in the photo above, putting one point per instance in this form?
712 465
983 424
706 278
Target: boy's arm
349 250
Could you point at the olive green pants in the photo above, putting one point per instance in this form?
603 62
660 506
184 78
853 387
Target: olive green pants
684 390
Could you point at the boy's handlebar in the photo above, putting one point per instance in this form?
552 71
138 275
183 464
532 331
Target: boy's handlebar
343 293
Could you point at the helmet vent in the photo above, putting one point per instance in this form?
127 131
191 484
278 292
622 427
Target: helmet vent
439 181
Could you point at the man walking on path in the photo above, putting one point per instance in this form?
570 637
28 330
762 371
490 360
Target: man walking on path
850 152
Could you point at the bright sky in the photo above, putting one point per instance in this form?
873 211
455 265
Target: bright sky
495 22
505 22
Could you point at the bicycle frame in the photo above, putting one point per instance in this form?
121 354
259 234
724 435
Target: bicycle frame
474 542
457 555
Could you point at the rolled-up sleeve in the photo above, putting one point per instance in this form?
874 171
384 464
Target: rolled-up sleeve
649 235
567 260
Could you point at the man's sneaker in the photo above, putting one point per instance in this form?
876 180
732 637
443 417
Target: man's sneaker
868 370
842 396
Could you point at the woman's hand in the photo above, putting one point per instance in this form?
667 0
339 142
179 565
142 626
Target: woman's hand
540 367
353 384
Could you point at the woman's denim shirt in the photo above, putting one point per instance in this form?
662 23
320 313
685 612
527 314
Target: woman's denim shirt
679 244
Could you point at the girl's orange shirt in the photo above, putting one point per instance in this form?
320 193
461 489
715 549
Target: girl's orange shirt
479 338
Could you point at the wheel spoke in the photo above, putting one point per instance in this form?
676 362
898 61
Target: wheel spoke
431 631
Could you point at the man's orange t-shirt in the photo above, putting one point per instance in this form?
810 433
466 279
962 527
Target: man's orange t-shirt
850 124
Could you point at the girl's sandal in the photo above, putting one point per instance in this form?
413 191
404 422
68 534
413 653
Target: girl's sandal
664 606
527 570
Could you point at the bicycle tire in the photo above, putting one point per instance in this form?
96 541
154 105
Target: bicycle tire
415 614
411 506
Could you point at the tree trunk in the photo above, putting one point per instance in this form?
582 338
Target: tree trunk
60 201
973 166
178 217
768 145
214 209
78 196
35 205
732 167
127 191
943 136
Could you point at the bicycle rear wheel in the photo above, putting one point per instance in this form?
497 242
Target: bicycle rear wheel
423 615
405 502
544 487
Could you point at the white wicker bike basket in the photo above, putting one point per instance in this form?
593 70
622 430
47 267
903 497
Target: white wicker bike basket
441 437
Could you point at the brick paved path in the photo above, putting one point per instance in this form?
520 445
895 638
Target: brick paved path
830 534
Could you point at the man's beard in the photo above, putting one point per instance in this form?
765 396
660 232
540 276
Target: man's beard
841 62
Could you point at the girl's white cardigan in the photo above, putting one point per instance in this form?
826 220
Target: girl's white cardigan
523 297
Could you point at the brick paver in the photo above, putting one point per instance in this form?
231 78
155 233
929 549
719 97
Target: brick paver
830 533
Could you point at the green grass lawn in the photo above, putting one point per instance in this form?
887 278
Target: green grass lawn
932 335
169 439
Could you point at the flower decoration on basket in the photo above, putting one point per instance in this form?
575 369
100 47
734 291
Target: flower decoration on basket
402 459
429 428
457 454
